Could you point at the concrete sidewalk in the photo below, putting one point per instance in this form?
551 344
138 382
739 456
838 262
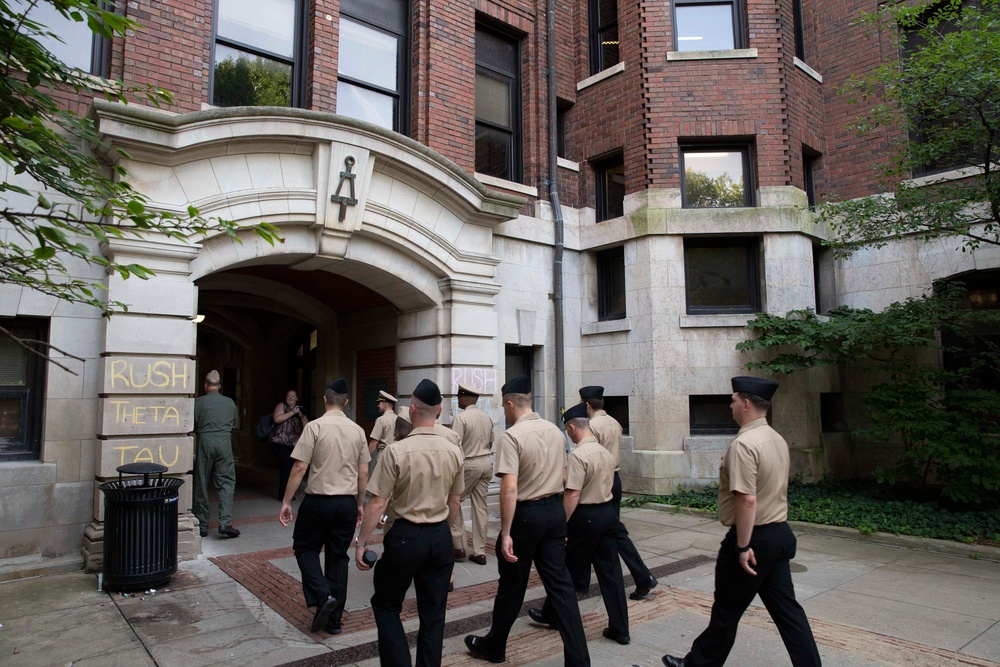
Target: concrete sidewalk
240 603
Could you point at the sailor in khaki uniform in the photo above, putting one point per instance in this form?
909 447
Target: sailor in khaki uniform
333 449
530 463
592 524
475 432
423 475
608 432
755 555
385 426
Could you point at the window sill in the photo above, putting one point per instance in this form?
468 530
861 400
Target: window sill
510 186
808 70
601 76
712 55
713 442
610 326
568 164
716 320
945 176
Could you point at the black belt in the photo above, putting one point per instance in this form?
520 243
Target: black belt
339 495
419 525
554 498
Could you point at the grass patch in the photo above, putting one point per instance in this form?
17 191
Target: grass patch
864 505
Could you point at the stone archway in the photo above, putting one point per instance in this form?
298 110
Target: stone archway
348 197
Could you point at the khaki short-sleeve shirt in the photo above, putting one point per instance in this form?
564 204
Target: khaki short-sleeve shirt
419 472
591 471
756 463
448 434
384 429
608 432
475 432
533 449
335 449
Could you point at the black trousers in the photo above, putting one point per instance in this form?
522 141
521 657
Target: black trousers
774 546
327 523
539 534
629 554
422 554
592 538
283 455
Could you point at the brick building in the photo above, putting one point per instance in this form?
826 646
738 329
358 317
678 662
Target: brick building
403 149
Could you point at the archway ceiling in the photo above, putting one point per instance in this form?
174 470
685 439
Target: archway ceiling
339 294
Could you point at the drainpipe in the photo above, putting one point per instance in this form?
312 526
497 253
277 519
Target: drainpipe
557 259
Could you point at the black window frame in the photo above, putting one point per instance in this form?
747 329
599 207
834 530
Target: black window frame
611 286
298 61
705 414
746 150
608 205
100 48
597 31
737 7
798 25
752 247
617 407
515 161
27 446
809 160
401 96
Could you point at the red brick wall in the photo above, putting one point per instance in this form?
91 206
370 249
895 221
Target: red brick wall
845 49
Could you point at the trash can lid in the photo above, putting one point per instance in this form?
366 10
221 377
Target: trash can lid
142 468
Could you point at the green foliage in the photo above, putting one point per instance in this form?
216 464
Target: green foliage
947 424
943 93
252 82
702 191
862 505
75 203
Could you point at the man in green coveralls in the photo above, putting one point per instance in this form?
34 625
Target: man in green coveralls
214 421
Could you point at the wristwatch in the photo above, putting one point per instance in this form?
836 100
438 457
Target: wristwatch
742 550
358 544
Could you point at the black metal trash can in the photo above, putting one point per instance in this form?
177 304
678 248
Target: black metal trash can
140 528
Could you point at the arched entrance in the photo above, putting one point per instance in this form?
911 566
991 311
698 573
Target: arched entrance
368 207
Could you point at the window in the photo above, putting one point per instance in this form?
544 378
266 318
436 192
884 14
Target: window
562 109
708 26
928 135
604 51
831 412
809 160
824 278
722 275
22 390
716 176
373 67
800 36
498 104
617 407
79 47
610 176
611 284
258 58
711 415
518 360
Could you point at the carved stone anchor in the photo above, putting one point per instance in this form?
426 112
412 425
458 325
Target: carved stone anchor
336 197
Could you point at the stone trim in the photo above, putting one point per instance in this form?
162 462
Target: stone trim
722 54
808 70
601 76
713 321
609 326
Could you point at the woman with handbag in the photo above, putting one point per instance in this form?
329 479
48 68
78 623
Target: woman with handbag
288 422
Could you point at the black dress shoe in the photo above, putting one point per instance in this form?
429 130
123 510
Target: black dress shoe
323 612
642 590
459 554
474 644
537 616
671 661
203 531
334 627
621 639
478 560
451 586
228 531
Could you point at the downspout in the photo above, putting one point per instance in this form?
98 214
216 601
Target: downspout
557 258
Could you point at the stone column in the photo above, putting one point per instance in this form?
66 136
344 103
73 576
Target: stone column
147 383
